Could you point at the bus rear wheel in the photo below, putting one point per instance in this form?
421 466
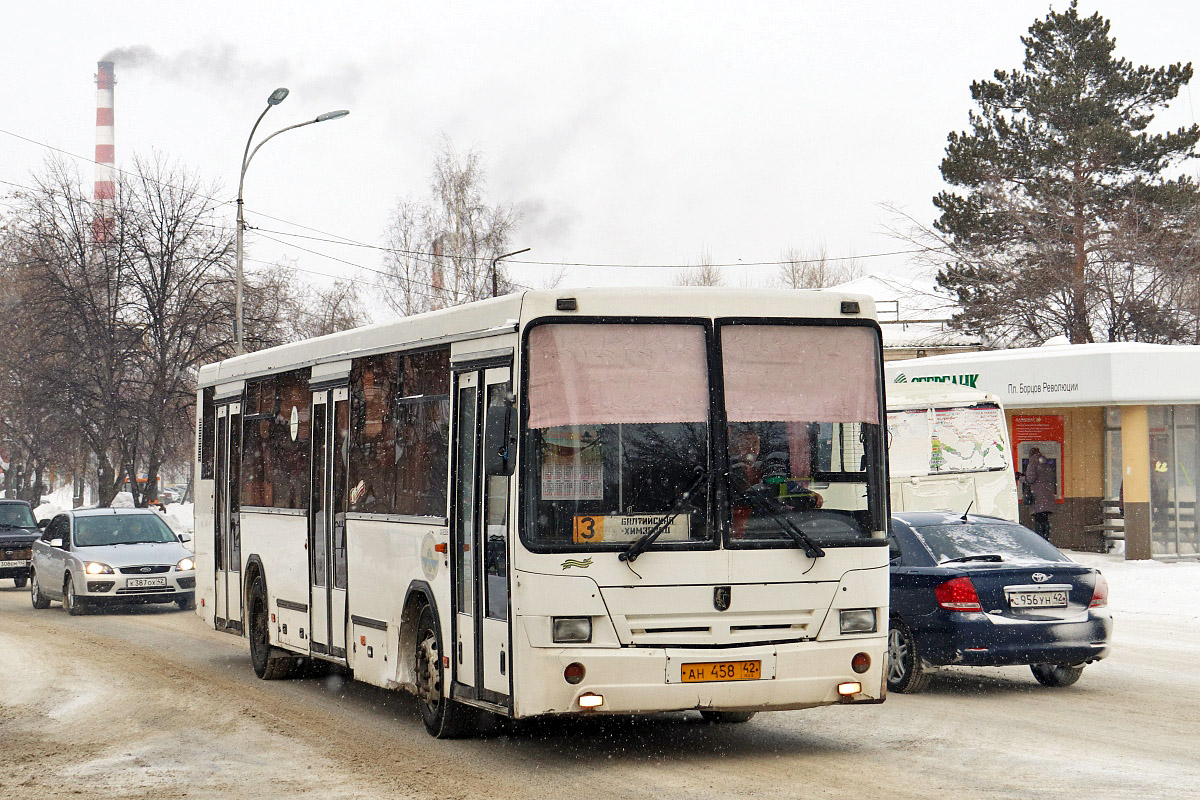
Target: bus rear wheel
444 718
269 664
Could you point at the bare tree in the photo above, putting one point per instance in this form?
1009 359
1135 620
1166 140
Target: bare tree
440 251
121 320
180 260
702 273
814 269
325 311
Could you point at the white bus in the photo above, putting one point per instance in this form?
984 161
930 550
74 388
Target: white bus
560 502
948 450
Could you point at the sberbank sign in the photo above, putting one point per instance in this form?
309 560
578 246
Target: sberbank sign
968 379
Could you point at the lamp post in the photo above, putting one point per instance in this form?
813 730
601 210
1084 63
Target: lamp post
275 99
495 287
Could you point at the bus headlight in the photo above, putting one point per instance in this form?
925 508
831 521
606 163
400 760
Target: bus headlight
858 620
572 630
94 568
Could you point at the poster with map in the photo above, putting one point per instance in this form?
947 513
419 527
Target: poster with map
968 439
928 441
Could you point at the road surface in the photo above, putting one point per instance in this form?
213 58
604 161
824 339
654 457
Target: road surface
148 703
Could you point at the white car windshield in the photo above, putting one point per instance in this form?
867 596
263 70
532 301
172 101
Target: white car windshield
121 529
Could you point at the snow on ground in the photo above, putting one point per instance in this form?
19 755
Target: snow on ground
1164 589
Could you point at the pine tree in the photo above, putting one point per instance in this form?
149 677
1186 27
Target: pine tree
1067 215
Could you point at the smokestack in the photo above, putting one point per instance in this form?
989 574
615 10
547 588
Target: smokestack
105 151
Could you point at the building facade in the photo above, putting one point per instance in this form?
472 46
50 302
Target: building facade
1119 421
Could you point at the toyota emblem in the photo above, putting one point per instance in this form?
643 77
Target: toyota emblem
1041 577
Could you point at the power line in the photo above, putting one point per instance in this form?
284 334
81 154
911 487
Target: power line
359 266
338 239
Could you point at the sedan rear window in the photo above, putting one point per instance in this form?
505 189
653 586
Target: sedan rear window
1010 542
121 529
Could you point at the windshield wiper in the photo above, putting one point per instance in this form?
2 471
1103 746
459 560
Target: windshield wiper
995 557
8 526
638 547
779 515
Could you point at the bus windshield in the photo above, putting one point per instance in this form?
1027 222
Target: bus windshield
619 441
804 436
618 433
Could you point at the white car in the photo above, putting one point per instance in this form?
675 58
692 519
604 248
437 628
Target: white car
110 556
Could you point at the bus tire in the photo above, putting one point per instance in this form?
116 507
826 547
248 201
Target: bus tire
727 717
269 662
444 718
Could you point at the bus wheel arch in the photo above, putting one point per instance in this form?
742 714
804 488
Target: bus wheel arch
254 570
418 597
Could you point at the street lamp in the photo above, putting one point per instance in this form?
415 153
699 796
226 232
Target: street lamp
495 288
275 99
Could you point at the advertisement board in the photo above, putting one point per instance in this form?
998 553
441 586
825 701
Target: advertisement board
1045 433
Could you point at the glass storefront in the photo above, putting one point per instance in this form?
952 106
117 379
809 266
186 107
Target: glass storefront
1174 464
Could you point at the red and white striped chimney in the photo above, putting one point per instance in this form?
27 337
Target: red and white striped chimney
105 150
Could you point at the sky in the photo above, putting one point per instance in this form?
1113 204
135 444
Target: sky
627 133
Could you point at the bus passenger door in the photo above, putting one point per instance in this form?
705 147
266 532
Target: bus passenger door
463 530
227 541
327 522
480 542
494 515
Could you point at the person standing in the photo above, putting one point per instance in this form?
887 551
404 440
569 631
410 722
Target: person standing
1039 477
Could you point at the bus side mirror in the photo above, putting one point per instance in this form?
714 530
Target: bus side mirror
500 439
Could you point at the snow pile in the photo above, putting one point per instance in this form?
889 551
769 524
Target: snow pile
180 516
61 499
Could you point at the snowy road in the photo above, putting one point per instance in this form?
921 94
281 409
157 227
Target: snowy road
151 704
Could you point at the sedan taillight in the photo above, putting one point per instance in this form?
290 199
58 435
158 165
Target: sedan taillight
958 594
1100 593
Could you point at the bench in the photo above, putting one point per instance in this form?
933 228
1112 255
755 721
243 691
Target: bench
1112 523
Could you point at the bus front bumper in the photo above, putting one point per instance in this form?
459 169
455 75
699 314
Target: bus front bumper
643 680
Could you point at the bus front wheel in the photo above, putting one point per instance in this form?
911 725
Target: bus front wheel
444 718
269 664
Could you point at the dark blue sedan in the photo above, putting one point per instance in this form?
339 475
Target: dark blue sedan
981 591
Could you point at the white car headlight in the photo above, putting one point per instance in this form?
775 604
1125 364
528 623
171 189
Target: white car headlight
185 565
96 568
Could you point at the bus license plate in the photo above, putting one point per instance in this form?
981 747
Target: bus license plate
140 583
721 671
14 563
1037 600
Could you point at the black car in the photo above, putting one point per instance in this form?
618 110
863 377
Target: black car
18 529
972 590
